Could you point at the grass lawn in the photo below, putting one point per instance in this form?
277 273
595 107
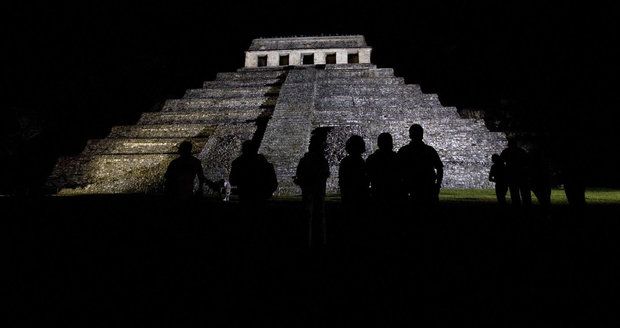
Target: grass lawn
593 196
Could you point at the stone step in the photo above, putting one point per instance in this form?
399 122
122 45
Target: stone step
348 73
382 117
326 67
68 170
162 131
365 102
399 90
444 124
250 78
349 66
93 173
104 166
264 69
128 146
227 92
248 75
243 83
360 81
394 115
205 117
217 103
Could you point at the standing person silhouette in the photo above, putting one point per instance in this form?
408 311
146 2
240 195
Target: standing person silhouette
182 172
516 173
253 175
385 190
352 175
256 182
353 182
573 178
497 174
421 169
383 172
311 176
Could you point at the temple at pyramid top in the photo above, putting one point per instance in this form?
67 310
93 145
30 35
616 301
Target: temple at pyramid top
316 50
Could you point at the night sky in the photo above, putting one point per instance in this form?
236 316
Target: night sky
75 70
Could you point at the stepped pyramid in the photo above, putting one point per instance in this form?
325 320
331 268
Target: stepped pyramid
288 89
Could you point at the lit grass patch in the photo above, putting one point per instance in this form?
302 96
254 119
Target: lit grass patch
593 196
603 196
467 195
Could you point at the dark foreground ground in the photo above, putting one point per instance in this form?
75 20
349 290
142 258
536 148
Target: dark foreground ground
143 262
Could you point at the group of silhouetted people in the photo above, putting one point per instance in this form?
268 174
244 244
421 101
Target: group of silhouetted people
413 175
522 173
251 173
510 173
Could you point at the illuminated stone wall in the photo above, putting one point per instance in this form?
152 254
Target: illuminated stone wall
362 99
295 48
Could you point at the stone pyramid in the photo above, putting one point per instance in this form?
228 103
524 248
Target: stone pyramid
289 89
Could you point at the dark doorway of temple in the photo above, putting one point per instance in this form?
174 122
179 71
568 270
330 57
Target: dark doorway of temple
308 59
262 61
353 58
283 60
330 59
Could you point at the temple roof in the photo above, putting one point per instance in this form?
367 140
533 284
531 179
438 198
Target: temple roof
313 42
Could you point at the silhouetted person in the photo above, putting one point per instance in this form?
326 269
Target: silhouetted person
225 190
354 192
498 176
516 160
383 172
352 175
421 169
253 175
572 176
182 172
540 174
311 176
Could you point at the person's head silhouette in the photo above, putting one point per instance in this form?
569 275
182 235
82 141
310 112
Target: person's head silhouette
355 145
185 148
248 148
495 158
384 142
416 132
317 144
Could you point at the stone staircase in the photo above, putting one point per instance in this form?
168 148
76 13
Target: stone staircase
216 118
288 132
